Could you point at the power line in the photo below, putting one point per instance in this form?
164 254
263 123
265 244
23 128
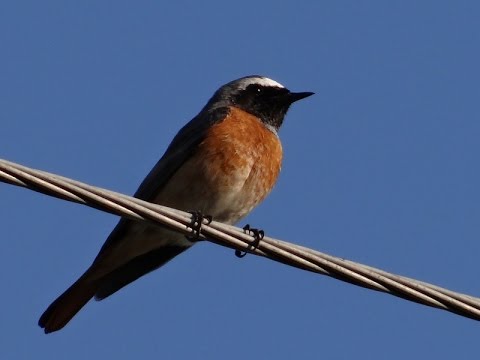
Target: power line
235 238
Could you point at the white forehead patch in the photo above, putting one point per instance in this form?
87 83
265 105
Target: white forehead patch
262 81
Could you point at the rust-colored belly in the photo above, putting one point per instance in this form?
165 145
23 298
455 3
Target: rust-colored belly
233 170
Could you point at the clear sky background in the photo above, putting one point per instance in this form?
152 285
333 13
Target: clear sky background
381 166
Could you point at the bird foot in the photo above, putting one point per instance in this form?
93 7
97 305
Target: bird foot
198 219
257 234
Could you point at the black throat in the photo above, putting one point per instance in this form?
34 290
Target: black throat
269 104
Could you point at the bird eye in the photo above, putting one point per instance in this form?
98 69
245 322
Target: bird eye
257 89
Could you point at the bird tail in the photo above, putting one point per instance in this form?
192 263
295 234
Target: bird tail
64 308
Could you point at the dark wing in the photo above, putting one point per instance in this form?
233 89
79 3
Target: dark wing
180 150
61 311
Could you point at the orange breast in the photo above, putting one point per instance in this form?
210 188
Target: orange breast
241 155
231 172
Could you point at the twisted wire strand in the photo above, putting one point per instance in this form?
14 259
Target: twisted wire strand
235 238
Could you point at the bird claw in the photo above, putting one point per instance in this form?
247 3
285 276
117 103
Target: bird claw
257 234
197 221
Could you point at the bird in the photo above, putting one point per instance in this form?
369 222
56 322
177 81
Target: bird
223 163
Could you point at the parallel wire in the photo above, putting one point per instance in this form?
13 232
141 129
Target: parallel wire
235 238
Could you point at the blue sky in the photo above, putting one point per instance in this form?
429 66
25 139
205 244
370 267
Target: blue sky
381 166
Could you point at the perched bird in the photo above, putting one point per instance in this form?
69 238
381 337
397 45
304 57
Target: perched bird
223 163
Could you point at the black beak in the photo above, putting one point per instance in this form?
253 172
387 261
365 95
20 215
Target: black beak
292 96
